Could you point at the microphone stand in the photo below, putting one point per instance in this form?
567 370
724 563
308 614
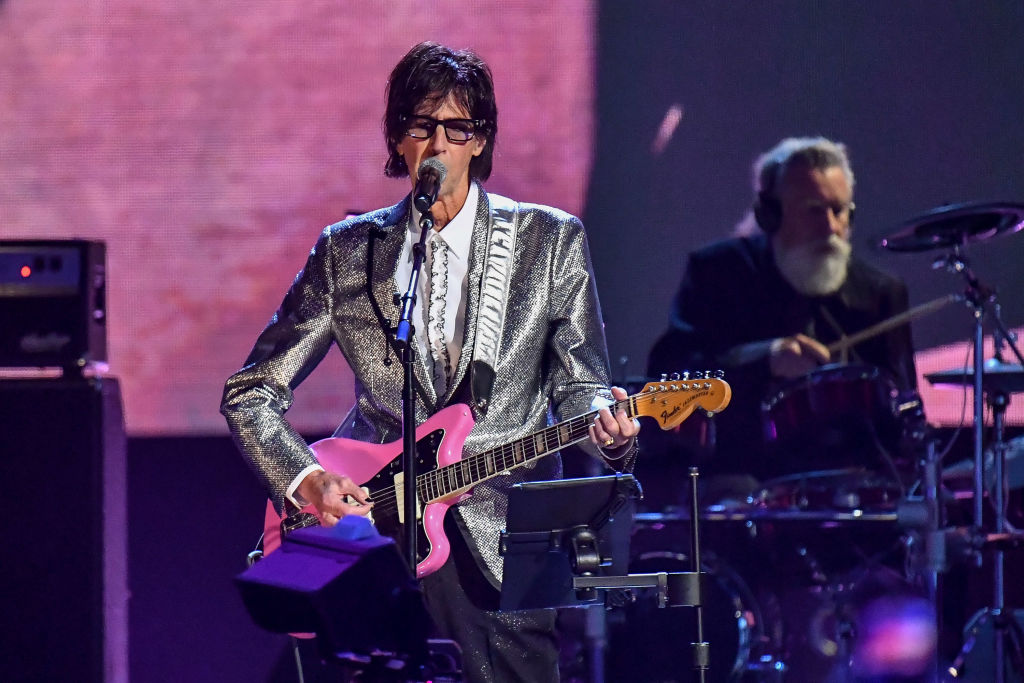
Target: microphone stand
404 336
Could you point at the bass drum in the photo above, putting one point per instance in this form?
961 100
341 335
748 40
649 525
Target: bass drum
648 644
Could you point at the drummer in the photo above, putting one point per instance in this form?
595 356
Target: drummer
765 305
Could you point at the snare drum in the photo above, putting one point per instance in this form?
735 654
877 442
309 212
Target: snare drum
837 416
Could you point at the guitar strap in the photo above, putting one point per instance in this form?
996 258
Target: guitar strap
501 244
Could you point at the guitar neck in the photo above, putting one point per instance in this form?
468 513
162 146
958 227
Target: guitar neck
470 471
667 401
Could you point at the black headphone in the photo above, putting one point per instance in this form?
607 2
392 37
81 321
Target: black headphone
768 212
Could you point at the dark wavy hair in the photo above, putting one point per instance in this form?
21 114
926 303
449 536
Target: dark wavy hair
429 73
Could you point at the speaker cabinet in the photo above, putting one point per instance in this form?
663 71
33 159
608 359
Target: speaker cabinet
64 572
53 303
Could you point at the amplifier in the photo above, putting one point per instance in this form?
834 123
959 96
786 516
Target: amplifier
53 309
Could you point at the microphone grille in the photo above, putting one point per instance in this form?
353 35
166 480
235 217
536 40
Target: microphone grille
436 165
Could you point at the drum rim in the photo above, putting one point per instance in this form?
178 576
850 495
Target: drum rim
828 373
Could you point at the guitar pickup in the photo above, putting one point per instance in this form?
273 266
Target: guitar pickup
352 501
399 490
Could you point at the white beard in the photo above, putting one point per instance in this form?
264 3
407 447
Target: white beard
814 269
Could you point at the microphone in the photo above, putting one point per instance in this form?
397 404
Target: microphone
429 177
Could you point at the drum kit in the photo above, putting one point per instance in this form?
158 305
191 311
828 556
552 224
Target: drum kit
836 574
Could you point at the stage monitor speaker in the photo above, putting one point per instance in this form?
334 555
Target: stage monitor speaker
350 587
64 572
53 310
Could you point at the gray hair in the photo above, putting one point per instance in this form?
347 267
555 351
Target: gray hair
817 153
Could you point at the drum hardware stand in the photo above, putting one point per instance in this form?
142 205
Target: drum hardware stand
978 296
701 652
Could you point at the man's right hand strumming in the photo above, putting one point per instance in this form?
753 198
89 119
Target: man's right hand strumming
329 493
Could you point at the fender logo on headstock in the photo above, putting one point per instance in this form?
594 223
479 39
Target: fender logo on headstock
666 414
671 402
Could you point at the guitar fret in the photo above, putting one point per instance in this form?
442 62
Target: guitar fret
564 434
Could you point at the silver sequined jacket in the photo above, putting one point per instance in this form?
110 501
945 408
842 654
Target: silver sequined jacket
552 355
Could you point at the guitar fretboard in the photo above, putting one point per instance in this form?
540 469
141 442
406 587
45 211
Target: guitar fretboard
450 479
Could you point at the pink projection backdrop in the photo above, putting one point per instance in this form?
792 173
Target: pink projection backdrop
208 143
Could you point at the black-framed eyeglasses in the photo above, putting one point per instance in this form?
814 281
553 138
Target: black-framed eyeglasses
456 130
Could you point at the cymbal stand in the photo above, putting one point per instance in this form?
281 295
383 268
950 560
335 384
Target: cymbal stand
978 297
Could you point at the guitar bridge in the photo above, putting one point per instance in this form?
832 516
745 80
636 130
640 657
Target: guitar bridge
300 520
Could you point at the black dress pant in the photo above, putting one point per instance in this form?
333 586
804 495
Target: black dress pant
497 647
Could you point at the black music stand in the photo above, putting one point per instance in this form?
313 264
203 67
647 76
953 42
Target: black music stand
559 530
566 540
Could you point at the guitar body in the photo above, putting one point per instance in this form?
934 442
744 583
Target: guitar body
378 469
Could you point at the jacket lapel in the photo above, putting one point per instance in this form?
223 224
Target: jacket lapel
387 252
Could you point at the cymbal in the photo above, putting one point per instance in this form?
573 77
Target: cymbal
996 376
956 225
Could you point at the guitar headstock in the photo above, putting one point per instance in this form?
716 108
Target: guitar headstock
670 401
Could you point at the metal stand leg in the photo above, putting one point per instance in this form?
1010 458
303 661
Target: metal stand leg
596 642
701 649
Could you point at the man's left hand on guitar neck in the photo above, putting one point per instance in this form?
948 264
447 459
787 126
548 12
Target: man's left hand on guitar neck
613 432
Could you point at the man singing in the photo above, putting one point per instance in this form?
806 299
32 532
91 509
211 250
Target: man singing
544 353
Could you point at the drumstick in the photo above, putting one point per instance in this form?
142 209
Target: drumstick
899 319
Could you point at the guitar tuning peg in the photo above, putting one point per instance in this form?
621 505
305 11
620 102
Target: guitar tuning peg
719 374
686 375
675 376
664 376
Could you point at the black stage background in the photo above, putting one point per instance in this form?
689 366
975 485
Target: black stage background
926 96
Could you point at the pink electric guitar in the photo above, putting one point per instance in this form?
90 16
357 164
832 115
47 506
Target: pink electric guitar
444 477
